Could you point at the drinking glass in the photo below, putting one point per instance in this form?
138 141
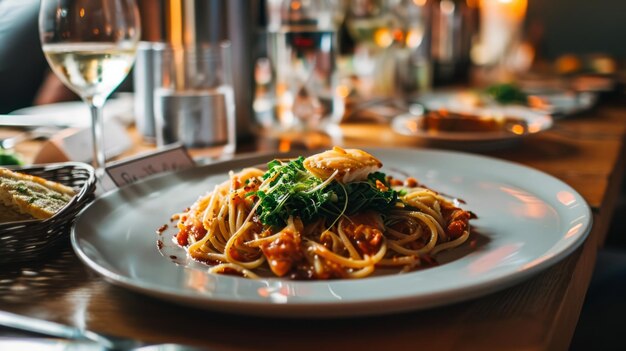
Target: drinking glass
194 101
90 45
497 53
302 79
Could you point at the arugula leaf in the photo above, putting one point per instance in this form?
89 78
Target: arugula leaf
293 191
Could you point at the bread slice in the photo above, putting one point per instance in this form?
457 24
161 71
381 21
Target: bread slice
10 214
32 196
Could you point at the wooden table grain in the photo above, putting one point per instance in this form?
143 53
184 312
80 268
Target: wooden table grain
585 151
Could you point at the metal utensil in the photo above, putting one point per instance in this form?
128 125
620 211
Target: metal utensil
57 330
36 133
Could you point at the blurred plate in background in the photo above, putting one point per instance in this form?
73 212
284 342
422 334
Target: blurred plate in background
503 133
69 114
551 101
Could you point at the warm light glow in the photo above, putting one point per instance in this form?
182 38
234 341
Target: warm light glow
518 129
412 126
538 102
414 37
512 9
81 12
383 37
532 207
284 102
284 145
494 259
537 262
574 230
472 3
420 2
566 198
199 281
343 91
446 7
398 35
278 294
175 23
500 29
263 291
534 127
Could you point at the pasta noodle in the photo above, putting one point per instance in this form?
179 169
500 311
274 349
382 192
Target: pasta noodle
331 215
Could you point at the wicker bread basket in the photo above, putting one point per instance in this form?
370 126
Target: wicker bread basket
29 240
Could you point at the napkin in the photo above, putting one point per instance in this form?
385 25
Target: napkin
75 144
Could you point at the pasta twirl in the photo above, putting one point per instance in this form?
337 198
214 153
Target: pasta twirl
332 215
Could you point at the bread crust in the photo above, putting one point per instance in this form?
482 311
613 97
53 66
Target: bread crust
31 195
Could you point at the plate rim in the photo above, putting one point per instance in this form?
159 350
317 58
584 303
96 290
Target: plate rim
328 309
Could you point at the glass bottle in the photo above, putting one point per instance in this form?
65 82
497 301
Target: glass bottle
455 24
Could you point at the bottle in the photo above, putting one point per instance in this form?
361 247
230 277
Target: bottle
302 49
454 27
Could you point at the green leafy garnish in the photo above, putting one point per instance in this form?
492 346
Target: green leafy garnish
8 158
507 94
293 191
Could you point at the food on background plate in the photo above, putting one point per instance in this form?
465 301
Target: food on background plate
498 94
446 121
23 196
507 94
331 215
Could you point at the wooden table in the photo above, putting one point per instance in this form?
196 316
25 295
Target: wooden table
541 313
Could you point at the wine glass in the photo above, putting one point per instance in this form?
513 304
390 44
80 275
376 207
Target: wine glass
91 46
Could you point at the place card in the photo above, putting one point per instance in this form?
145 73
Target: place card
168 159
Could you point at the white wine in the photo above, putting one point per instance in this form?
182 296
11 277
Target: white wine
90 69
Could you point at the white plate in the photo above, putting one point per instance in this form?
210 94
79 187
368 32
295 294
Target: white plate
553 101
408 124
70 113
562 103
526 222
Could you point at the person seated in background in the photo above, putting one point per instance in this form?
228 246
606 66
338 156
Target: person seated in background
25 77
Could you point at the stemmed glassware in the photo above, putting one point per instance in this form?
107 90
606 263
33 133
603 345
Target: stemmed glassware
91 46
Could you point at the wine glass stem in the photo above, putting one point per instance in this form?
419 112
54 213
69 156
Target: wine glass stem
97 135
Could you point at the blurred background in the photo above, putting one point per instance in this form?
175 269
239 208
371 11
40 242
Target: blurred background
308 64
579 27
444 37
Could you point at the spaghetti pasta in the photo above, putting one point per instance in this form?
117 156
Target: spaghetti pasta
331 215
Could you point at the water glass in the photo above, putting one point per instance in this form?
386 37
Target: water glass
194 99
